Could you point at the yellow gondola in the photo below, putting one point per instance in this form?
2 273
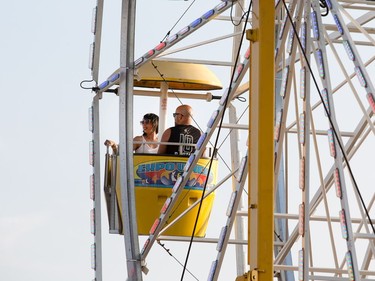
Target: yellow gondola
154 178
155 175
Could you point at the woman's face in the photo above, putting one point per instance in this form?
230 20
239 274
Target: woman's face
147 126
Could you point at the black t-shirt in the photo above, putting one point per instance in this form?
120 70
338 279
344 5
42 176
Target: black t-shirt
183 134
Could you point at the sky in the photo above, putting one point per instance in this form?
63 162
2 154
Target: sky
44 221
44 142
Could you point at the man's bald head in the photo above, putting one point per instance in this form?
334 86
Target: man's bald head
184 115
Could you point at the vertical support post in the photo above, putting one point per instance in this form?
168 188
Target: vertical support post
97 41
97 200
129 219
261 144
239 230
237 28
305 152
97 247
163 106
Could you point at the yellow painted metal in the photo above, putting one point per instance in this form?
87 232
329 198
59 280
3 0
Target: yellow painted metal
154 177
261 144
244 277
178 75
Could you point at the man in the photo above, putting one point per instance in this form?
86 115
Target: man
182 132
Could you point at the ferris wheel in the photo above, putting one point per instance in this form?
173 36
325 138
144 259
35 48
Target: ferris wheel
323 141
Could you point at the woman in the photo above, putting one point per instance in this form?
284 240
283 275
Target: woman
147 143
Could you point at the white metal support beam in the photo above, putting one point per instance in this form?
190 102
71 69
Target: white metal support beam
129 219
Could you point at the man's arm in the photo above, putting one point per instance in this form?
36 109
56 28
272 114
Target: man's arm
165 138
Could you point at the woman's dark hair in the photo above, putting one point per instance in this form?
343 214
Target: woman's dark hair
154 120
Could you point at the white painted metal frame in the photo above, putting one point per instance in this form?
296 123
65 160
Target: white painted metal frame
96 248
363 129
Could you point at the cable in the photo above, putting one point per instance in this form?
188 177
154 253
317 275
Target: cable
216 142
187 193
241 99
330 121
195 122
242 17
86 88
169 32
230 131
323 4
278 236
168 251
239 118
192 117
201 173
